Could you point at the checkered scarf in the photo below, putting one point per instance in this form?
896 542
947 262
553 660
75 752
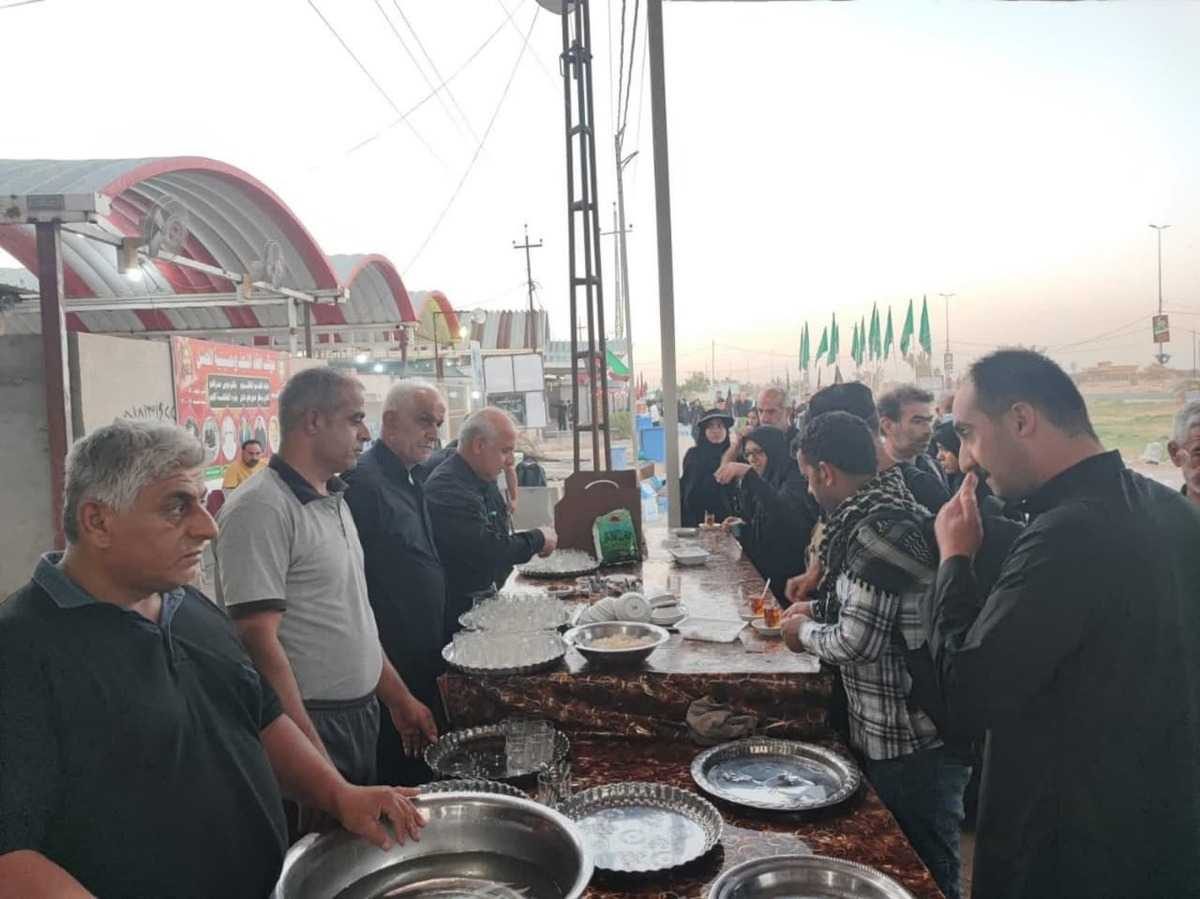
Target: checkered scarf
889 553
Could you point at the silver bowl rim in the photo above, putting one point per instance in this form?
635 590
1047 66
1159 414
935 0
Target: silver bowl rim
660 633
676 799
587 864
738 873
785 747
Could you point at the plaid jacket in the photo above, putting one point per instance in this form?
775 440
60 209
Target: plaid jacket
878 584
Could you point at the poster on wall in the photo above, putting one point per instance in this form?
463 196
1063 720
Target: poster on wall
226 394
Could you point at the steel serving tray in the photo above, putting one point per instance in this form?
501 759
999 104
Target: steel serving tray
547 568
531 668
478 753
777 775
643 827
473 785
816 876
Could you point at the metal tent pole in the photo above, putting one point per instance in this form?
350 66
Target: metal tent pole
54 365
666 274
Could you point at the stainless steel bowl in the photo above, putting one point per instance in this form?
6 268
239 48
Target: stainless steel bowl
474 843
583 639
782 876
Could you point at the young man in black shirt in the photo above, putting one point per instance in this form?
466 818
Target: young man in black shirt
1080 661
140 752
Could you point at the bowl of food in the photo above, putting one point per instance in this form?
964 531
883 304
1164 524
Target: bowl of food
616 642
474 844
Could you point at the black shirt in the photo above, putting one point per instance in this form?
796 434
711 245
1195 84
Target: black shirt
925 488
130 753
473 534
1083 662
405 580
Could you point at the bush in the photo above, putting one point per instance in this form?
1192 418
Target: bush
620 425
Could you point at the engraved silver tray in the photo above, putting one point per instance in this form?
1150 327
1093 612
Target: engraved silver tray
477 753
778 775
643 827
532 668
818 876
473 785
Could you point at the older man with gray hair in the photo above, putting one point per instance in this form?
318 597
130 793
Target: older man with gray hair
140 752
291 574
473 531
405 581
1184 448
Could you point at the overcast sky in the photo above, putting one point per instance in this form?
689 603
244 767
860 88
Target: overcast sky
824 155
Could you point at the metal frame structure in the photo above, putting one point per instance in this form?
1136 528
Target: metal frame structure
583 222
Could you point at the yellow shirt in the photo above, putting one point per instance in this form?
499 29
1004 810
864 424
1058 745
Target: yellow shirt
237 473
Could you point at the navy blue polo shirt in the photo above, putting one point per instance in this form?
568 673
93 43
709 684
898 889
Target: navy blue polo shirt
130 752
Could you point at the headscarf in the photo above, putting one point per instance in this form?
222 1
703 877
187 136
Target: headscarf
947 438
705 448
773 442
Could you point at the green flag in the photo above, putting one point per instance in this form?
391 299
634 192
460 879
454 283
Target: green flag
925 338
823 346
862 340
887 335
906 334
804 348
854 343
875 336
833 341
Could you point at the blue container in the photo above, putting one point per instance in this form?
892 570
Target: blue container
643 422
620 458
652 444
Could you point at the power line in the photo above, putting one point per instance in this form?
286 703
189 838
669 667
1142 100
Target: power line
412 109
371 78
612 110
532 50
1139 320
433 66
632 50
428 81
637 139
621 63
19 3
479 148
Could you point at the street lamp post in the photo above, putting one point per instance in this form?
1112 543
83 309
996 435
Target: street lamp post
1159 229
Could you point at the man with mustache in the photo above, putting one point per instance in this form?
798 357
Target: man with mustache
244 467
140 752
405 580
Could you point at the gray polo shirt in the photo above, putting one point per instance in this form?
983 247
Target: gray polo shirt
283 546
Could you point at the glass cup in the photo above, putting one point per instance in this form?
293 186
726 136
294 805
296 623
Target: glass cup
675 585
709 519
554 784
772 614
757 603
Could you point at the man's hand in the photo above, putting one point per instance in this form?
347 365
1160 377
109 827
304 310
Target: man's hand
793 620
414 722
801 585
731 471
728 523
362 811
551 541
959 527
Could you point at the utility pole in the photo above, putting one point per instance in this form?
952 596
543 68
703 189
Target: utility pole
624 329
531 325
947 381
1159 229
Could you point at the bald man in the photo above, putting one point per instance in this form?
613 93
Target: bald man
473 533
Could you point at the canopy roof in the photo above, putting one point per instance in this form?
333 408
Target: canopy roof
231 218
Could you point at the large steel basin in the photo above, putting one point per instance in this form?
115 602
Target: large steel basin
473 844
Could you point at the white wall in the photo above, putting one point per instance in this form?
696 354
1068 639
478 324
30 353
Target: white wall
25 514
119 377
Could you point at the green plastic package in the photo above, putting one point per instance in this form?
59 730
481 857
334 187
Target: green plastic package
615 538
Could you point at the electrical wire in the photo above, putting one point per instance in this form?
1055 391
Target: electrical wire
412 109
621 63
637 138
428 81
612 110
378 86
1139 320
479 147
632 51
19 3
432 66
555 79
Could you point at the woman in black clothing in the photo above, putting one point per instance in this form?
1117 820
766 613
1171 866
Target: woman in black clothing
772 526
701 493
